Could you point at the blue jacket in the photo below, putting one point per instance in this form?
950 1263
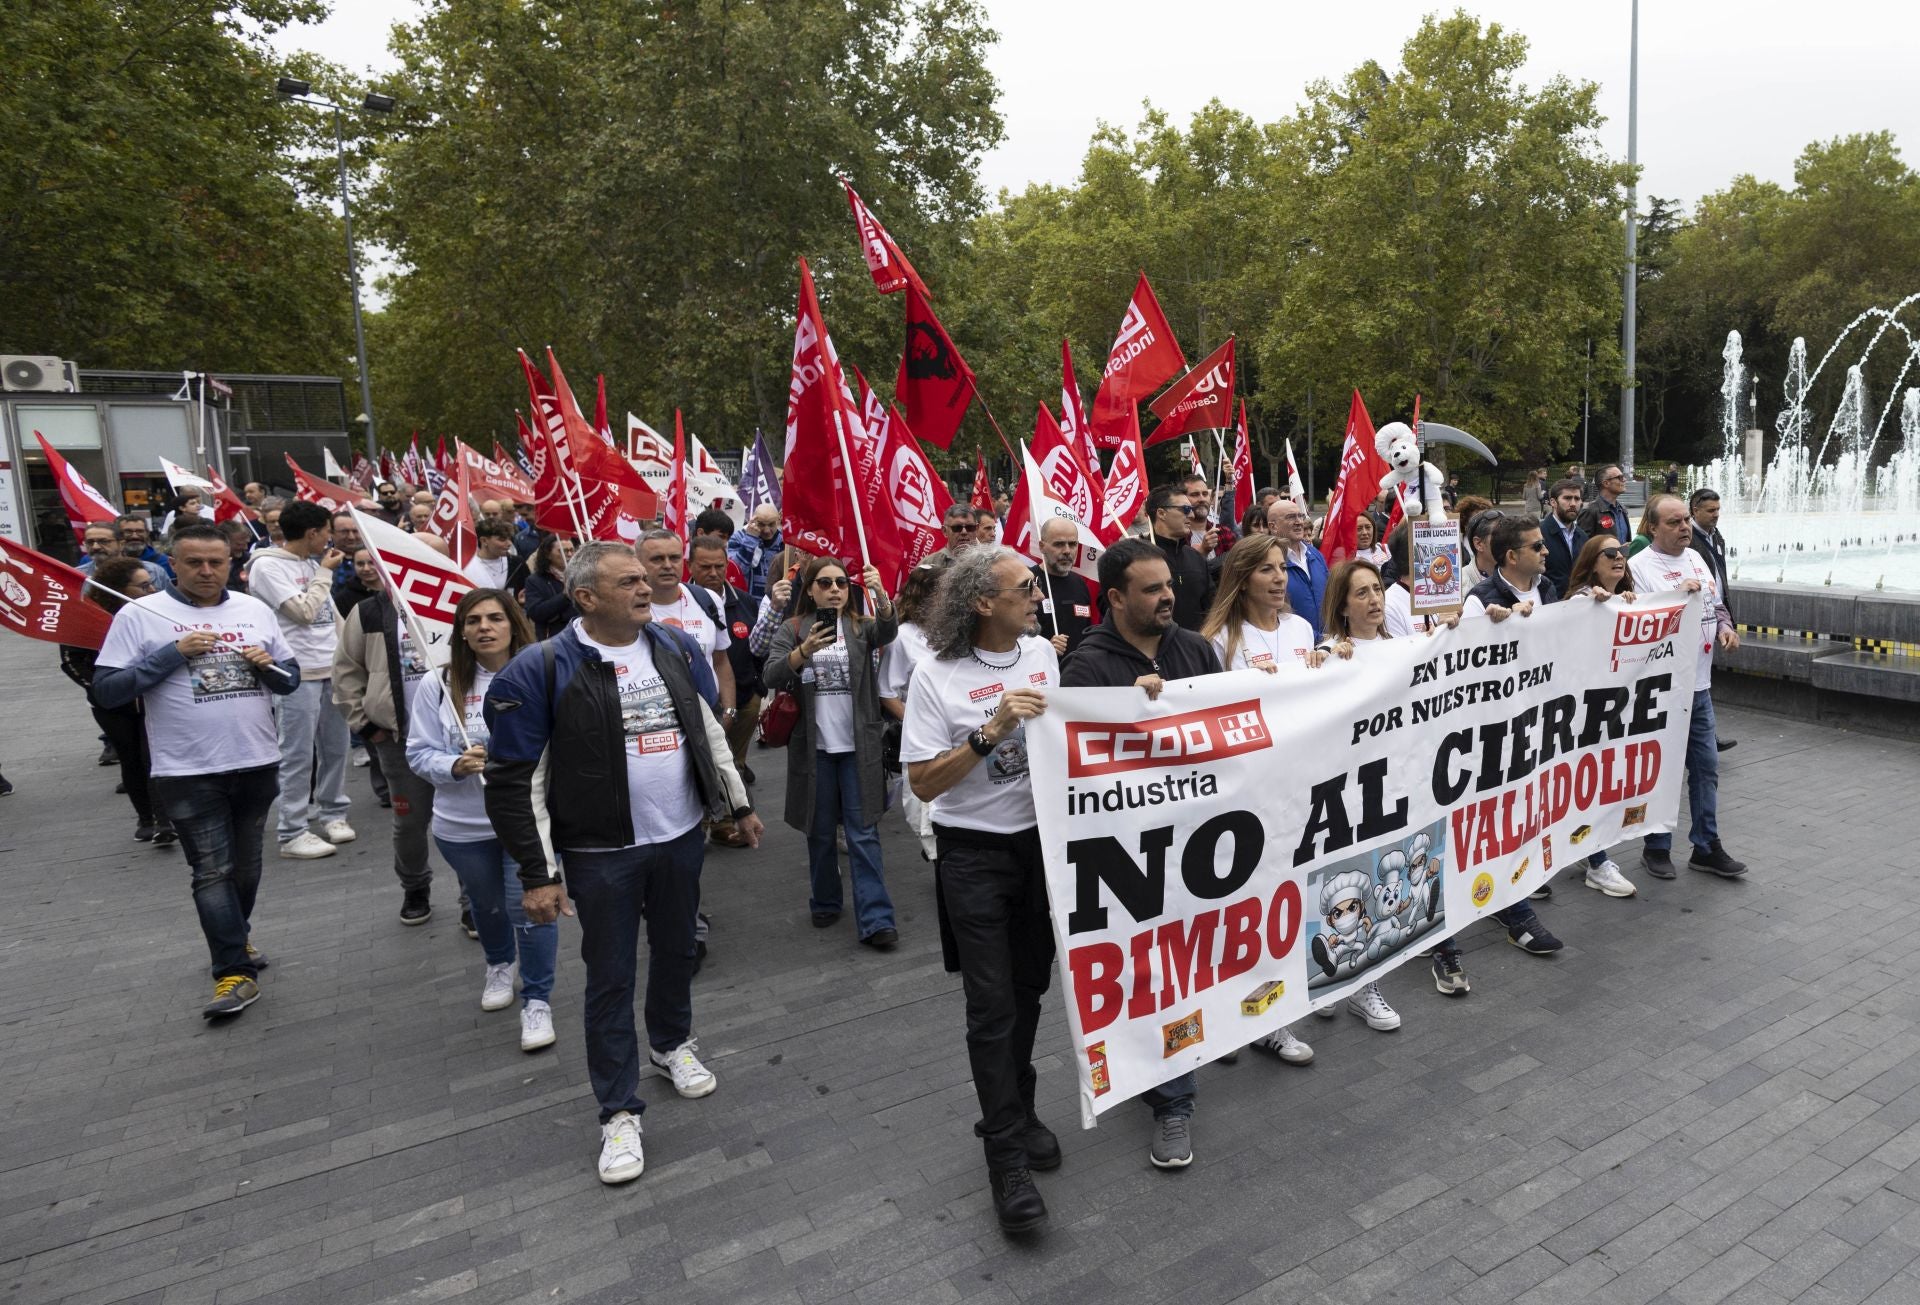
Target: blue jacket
755 557
1307 588
556 773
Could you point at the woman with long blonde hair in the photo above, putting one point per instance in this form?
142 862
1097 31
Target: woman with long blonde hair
1250 625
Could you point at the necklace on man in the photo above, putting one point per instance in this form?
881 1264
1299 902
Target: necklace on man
994 666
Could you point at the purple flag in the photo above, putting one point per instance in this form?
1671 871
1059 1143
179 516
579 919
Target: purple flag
758 484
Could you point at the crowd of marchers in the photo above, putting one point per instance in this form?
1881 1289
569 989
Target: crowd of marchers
588 740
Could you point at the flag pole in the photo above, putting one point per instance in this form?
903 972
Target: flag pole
996 425
126 602
853 491
1046 575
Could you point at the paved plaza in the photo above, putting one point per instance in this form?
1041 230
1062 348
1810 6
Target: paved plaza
1712 1095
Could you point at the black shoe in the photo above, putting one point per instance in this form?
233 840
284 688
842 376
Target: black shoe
1534 939
1657 862
164 834
108 757
1721 745
1715 860
825 919
119 790
882 940
1043 1148
746 775
466 921
143 832
699 956
415 909
386 804
6 788
1016 1201
1541 894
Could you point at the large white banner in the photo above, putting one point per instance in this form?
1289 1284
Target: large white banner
1252 846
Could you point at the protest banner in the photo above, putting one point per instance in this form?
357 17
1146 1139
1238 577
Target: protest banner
1435 569
1253 846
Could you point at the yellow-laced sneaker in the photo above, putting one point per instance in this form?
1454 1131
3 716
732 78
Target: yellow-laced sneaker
231 995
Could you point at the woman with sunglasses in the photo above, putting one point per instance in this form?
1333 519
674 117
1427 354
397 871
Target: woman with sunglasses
1601 571
826 655
489 628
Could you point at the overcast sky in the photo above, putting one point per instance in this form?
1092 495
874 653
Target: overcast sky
1725 87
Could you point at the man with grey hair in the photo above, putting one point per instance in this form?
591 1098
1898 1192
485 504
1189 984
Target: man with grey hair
964 748
616 684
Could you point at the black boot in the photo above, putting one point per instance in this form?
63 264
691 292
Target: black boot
415 907
1016 1201
1043 1148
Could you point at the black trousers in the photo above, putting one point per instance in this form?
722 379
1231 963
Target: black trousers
128 735
993 896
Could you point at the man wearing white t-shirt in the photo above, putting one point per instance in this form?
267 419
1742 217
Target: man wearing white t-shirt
688 609
492 555
1666 564
295 580
1518 581
964 748
204 660
604 754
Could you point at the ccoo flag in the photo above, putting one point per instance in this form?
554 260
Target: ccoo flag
1144 357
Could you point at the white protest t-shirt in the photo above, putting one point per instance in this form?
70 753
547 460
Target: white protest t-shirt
213 714
1401 622
660 787
488 573
1655 573
687 614
953 698
1364 650
1286 645
273 580
832 678
899 658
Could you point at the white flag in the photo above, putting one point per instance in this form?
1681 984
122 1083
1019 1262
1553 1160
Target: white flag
1295 490
180 478
426 585
330 468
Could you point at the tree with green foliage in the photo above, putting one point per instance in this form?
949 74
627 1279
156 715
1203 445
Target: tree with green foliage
154 209
633 183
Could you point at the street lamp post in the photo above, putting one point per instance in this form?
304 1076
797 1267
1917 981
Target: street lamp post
1633 234
293 88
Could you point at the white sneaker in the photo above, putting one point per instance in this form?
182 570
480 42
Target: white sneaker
690 1077
621 1159
1326 1012
360 758
498 993
1283 1044
536 1026
338 831
1370 1006
306 846
1607 878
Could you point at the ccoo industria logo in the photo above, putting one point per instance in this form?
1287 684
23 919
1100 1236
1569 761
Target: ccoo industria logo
1212 734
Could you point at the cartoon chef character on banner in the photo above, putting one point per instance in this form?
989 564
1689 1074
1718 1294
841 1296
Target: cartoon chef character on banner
1393 911
1342 945
1423 876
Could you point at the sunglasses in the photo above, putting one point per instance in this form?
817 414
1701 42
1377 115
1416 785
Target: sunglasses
831 582
1189 509
1612 554
960 528
1025 587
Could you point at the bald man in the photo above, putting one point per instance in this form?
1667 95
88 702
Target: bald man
1066 599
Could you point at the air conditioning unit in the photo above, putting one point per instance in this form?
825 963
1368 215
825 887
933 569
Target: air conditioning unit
31 373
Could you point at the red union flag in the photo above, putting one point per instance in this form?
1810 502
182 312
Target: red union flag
453 517
823 422
311 489
1200 400
1361 470
935 384
83 502
890 268
492 475
1144 357
1126 484
1073 414
1209 735
918 495
427 586
1062 487
41 599
982 487
1242 470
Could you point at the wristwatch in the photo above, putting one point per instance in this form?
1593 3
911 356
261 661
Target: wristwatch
980 743
729 713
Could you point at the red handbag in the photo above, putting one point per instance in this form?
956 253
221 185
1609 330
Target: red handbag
780 715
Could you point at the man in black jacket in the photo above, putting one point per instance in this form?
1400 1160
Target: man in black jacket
1171 514
605 751
1140 644
1605 515
1707 541
1560 529
1067 608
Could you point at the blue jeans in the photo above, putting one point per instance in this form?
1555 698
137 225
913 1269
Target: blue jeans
222 821
613 892
836 801
492 882
1173 1098
1703 779
313 758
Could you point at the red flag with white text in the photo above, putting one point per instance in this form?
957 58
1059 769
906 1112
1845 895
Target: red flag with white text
311 489
83 503
453 516
1200 400
916 492
1144 357
817 504
619 496
44 599
1065 479
1358 484
890 268
675 518
227 505
935 384
1243 489
1073 413
1126 483
982 499
492 476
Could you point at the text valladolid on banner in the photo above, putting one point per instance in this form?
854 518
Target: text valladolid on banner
1252 846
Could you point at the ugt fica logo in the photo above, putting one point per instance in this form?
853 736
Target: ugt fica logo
1644 636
